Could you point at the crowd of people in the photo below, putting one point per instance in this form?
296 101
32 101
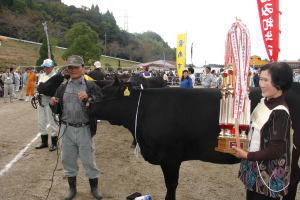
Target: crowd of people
15 84
20 84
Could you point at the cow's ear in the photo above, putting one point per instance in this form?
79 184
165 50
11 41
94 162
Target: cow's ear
125 89
117 81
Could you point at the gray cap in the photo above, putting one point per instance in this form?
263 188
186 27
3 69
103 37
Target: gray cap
75 61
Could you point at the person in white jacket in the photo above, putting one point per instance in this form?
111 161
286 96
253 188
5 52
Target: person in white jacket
45 117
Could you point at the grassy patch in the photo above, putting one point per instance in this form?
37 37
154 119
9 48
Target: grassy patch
17 53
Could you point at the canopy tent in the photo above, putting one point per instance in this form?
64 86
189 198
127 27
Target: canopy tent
159 65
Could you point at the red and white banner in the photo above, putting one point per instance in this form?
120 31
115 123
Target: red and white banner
238 54
269 22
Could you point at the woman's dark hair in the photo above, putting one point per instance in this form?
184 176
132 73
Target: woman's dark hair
182 78
190 69
281 74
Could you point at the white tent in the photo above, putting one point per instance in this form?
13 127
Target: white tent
159 65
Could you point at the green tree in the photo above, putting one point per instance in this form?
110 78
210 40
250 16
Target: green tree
44 53
29 3
85 47
19 6
80 29
7 3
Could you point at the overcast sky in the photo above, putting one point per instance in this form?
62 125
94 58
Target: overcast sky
205 22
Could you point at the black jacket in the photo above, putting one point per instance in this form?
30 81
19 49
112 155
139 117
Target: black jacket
97 74
256 80
93 91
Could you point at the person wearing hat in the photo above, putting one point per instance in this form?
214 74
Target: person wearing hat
45 117
77 127
145 73
97 74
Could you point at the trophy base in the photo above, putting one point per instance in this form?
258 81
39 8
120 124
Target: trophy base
225 144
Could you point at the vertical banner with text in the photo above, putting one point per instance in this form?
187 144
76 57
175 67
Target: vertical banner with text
269 21
180 53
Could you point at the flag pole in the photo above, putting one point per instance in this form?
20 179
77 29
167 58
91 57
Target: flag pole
192 53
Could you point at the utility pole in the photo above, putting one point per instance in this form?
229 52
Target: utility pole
105 43
48 43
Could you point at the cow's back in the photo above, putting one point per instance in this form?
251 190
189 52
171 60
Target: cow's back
182 123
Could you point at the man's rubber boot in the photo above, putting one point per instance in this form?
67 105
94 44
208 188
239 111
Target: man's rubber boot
72 188
94 188
44 143
53 146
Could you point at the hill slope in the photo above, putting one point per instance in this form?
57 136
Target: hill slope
16 53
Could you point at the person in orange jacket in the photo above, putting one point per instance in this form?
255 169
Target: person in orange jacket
30 86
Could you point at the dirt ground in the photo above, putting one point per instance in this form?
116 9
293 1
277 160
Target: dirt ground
121 172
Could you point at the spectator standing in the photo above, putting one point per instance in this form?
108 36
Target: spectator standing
208 79
297 77
24 82
17 81
12 71
192 75
45 117
165 77
186 81
1 84
7 79
146 73
215 79
256 79
97 73
30 85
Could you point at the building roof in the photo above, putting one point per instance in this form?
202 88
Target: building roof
159 63
257 62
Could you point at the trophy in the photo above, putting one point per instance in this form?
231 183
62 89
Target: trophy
234 117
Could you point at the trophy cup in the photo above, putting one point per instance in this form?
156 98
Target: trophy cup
227 136
235 104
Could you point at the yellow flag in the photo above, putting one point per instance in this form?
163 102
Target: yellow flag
180 53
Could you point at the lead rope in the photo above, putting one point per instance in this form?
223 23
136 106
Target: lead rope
270 181
284 187
137 150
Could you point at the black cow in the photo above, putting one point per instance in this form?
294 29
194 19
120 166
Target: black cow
49 87
152 82
173 125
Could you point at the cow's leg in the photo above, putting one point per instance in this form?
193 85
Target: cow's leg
133 144
171 174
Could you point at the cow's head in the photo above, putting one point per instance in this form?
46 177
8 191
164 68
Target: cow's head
114 102
117 89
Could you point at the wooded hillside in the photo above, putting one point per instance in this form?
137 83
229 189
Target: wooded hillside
23 19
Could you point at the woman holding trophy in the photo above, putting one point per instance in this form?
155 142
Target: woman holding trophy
265 169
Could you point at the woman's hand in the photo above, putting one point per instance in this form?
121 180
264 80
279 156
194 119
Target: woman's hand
240 153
